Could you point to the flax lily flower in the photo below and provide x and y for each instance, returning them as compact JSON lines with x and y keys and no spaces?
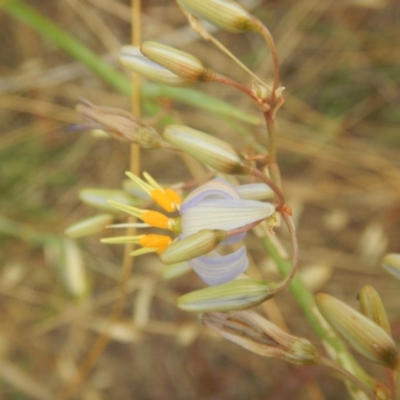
{"x":214,"y":208}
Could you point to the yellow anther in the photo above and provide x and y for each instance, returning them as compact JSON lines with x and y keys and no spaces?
{"x":156,"y":219}
{"x":159,"y":242}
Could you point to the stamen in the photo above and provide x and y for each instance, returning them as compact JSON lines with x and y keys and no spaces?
{"x":174,"y":197}
{"x":136,"y":212}
{"x":122,"y":239}
{"x":167,"y":199}
{"x":143,"y":185}
{"x":142,"y":250}
{"x":129,"y":225}
{"x":152,"y":182}
{"x":159,"y":242}
{"x":156,"y":219}
{"x":163,"y":200}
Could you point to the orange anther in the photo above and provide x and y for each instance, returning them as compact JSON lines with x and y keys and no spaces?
{"x":161,"y":198}
{"x":159,"y":242}
{"x":173,"y":196}
{"x":156,"y":219}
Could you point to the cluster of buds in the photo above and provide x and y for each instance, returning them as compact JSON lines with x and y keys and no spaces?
{"x":205,"y":229}
{"x":367,"y":332}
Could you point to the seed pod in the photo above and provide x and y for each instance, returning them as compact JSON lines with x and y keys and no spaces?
{"x":256,"y":334}
{"x":207,"y":149}
{"x":226,"y":14}
{"x":179,"y":62}
{"x":89,"y":226}
{"x":119,"y":124}
{"x":235,"y":295}
{"x":365,"y":336}
{"x":192,"y":246}
{"x":99,"y":198}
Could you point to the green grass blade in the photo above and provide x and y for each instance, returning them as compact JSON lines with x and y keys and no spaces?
{"x":26,"y":14}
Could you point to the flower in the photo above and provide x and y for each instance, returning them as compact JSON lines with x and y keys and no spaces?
{"x":210,"y":217}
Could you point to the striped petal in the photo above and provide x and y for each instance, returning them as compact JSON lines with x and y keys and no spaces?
{"x":214,"y":268}
{"x":215,"y":189}
{"x":225,"y":214}
{"x":217,"y":205}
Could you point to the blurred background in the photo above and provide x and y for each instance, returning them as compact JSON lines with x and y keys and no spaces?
{"x":339,"y":154}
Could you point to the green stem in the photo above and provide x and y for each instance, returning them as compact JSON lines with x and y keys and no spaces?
{"x":305,"y":299}
{"x":26,"y":14}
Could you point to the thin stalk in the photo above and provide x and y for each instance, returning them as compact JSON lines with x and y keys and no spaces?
{"x":197,"y":27}
{"x":280,"y":198}
{"x":127,"y":264}
{"x":273,"y":166}
{"x":230,"y":82}
{"x":275,"y":60}
{"x":295,"y":257}
{"x":346,"y":374}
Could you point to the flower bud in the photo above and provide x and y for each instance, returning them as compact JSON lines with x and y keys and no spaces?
{"x":371,"y":306}
{"x":365,"y":336}
{"x":207,"y":149}
{"x":132,"y":58}
{"x":255,"y":191}
{"x":192,"y":246}
{"x":120,"y":124}
{"x":99,"y":198}
{"x":260,"y":336}
{"x":391,"y":264}
{"x":235,"y":295}
{"x":226,"y":14}
{"x":66,"y":256}
{"x":89,"y":226}
{"x":179,"y":62}
{"x":175,"y":270}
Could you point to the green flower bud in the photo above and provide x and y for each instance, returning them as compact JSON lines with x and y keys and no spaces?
{"x":235,"y":295}
{"x":365,"y":336}
{"x":226,"y":14}
{"x":179,"y":62}
{"x":207,"y":149}
{"x":98,"y":198}
{"x":255,"y":191}
{"x":371,"y":306}
{"x":175,"y":270}
{"x":391,"y":264}
{"x":89,"y":226}
{"x":256,"y":334}
{"x":192,"y":246}
{"x":66,"y":256}
{"x":132,"y":58}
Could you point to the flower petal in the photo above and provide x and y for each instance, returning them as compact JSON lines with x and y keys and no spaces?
{"x":224,"y":214}
{"x":215,"y":268}
{"x":217,"y":188}
{"x":255,"y":191}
